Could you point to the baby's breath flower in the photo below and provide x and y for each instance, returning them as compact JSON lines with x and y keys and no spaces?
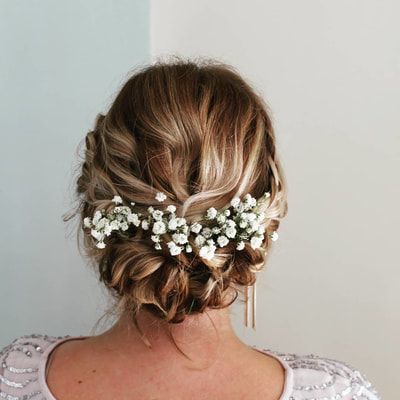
{"x":199,"y":240}
{"x":87,"y":222}
{"x":274,"y":236}
{"x":240,"y":245}
{"x":242,"y":223}
{"x":108,"y":229}
{"x":145,"y":225}
{"x":180,"y":221}
{"x":179,"y":238}
{"x":155,"y":238}
{"x":160,"y":196}
{"x":133,"y":218}
{"x":235,"y":202}
{"x":256,"y":242}
{"x":157,"y":215}
{"x":117,"y":200}
{"x":195,"y":227}
{"x":159,"y":228}
{"x":171,"y":208}
{"x":208,"y":250}
{"x":206,"y":232}
{"x":211,"y":213}
{"x":221,"y":218}
{"x":97,"y":215}
{"x":97,"y":234}
{"x":124,"y":226}
{"x":173,"y":224}
{"x":174,"y":249}
{"x":222,"y":240}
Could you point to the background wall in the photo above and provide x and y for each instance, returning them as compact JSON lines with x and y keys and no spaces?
{"x":61,"y":64}
{"x":330,"y":72}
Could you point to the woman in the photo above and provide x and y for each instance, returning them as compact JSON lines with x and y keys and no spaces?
{"x":180,"y":197}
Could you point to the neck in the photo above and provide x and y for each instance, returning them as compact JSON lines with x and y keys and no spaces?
{"x":200,"y":335}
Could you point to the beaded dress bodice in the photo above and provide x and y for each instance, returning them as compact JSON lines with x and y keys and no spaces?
{"x":308,"y":377}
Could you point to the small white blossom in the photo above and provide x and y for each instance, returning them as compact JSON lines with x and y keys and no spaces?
{"x":227,"y":213}
{"x":240,"y":245}
{"x":145,"y":224}
{"x":124,"y":226}
{"x":150,"y":209}
{"x":117,"y":200}
{"x":133,"y":218}
{"x":230,"y":223}
{"x":215,"y":230}
{"x":211,"y":213}
{"x":96,"y":234}
{"x":243,"y":223}
{"x":206,"y":232}
{"x":96,"y":217}
{"x":159,"y":228}
{"x":222,"y":240}
{"x":132,"y":203}
{"x":100,"y":245}
{"x":207,"y":251}
{"x":108,"y":229}
{"x":267,"y":194}
{"x":199,"y":240}
{"x":181,"y":221}
{"x":195,"y":227}
{"x":274,"y":236}
{"x":256,"y":242}
{"x":114,"y":224}
{"x":230,"y":232}
{"x":87,"y":222}
{"x":188,"y":248}
{"x":160,"y":196}
{"x":157,"y":215}
{"x":249,"y":200}
{"x":173,"y":248}
{"x":221,"y":218}
{"x":235,"y":202}
{"x":172,"y":224}
{"x":260,"y":230}
{"x":155,"y":238}
{"x":171,"y":208}
{"x":157,"y":246}
{"x":179,"y":238}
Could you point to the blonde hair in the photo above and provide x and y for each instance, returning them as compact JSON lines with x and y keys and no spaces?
{"x":195,"y":130}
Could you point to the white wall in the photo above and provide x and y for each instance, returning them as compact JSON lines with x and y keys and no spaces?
{"x":330,"y":72}
{"x":61,"y":64}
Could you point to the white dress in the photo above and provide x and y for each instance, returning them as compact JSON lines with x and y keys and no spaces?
{"x":307,"y":377}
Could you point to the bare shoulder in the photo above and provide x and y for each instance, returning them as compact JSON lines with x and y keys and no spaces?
{"x":319,"y":377}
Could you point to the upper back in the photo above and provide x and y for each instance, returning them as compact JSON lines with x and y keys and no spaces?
{"x":23,"y":362}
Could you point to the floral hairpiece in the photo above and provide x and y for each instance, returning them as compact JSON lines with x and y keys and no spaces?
{"x":240,"y":222}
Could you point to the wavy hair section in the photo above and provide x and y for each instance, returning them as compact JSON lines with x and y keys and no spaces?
{"x":197,"y":131}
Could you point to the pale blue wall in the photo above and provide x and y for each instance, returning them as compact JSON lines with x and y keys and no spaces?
{"x":61,"y":64}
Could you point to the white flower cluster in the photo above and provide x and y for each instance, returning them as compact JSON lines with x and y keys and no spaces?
{"x":240,"y":222}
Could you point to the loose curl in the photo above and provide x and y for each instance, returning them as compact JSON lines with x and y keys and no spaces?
{"x":199,"y":133}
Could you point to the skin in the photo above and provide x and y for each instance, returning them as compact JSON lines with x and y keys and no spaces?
{"x":118,"y":365}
